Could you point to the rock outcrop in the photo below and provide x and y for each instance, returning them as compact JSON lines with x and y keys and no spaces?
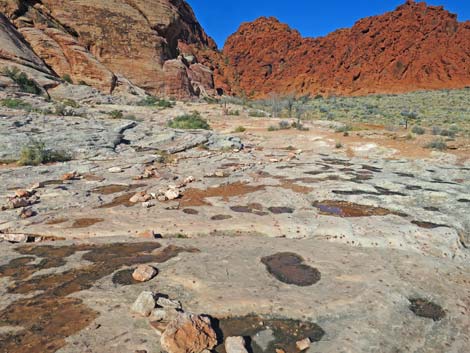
{"x":96,"y":42}
{"x":414,"y":47}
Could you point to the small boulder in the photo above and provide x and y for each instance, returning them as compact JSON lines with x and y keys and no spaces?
{"x":169,"y":303}
{"x":172,"y":194}
{"x":22,"y":193}
{"x":188,"y":333}
{"x":304,"y":344}
{"x":144,"y":273}
{"x":16,"y":237}
{"x":235,"y":345}
{"x":115,"y":170}
{"x":144,"y":304}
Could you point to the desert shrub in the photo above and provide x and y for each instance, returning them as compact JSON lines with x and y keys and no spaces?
{"x":189,"y":121}
{"x":448,"y":133}
{"x":240,"y":129}
{"x":116,"y":114}
{"x":344,"y":128}
{"x":257,"y":114}
{"x":152,"y":101}
{"x":21,"y":79}
{"x":233,"y":112}
{"x":273,"y":128}
{"x":15,"y":104}
{"x":418,"y":130}
{"x":284,"y":125}
{"x":36,"y":153}
{"x":437,"y":144}
{"x":436,"y":130}
{"x":338,"y":145}
{"x":67,"y":78}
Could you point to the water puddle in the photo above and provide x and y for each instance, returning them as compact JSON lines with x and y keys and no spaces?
{"x":289,"y":268}
{"x":253,"y":208}
{"x":197,"y":197}
{"x":50,"y":317}
{"x":280,"y":210}
{"x":424,"y":308}
{"x":220,"y":217}
{"x":348,"y":209}
{"x":284,"y":332}
{"x":190,"y":211}
{"x":428,"y":225}
{"x":413,"y":187}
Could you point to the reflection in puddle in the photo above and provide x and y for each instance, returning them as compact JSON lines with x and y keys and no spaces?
{"x":285,"y":333}
{"x":348,"y":209}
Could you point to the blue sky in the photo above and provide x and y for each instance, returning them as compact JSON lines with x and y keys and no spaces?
{"x":220,"y":18}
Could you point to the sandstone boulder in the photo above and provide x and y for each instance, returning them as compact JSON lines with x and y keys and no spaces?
{"x":188,"y":333}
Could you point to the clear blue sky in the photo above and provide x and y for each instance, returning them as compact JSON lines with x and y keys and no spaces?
{"x":220,"y":18}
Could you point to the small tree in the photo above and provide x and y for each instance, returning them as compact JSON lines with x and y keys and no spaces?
{"x":290,"y":103}
{"x":409,"y":116}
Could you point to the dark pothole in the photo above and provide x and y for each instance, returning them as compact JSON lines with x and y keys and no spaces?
{"x":281,"y":210}
{"x":284,"y":332}
{"x":190,"y":211}
{"x":348,"y":209}
{"x":428,"y":225}
{"x":289,"y":268}
{"x":424,"y":308}
{"x":220,"y":217}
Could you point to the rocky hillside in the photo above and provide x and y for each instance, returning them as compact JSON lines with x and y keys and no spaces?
{"x":414,"y":47}
{"x":111,"y":45}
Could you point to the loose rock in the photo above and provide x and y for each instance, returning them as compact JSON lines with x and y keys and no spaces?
{"x":235,"y":345}
{"x":188,"y":333}
{"x":303,"y":344}
{"x":144,"y":273}
{"x":144,"y":304}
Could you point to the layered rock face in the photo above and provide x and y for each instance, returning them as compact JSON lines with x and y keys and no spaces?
{"x":98,"y":42}
{"x":414,"y":47}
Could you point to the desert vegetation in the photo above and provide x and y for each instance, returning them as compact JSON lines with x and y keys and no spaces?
{"x":189,"y":121}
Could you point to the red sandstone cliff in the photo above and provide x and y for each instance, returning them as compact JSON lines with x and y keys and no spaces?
{"x":414,"y":47}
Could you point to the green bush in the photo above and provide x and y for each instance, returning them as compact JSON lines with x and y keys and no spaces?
{"x":233,"y":112}
{"x":189,"y":121}
{"x":344,"y":129}
{"x":67,"y":78}
{"x":116,"y":114}
{"x":437,"y":144}
{"x":152,"y":101}
{"x":418,"y":130}
{"x":36,"y":153}
{"x":15,"y":104}
{"x":240,"y":129}
{"x":273,"y":128}
{"x":257,"y":114}
{"x":21,"y":79}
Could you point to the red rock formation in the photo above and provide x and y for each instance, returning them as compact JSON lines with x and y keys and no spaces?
{"x":414,"y":47}
{"x":98,"y":41}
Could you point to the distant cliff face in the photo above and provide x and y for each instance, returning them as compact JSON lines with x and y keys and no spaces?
{"x":414,"y":47}
{"x":98,"y":41}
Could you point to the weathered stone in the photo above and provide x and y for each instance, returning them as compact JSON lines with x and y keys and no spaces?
{"x":144,"y":304}
{"x":144,"y":273}
{"x":188,"y":333}
{"x":235,"y":345}
{"x":168,"y":303}
{"x":172,"y":194}
{"x":304,"y":344}
{"x":16,"y":237}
